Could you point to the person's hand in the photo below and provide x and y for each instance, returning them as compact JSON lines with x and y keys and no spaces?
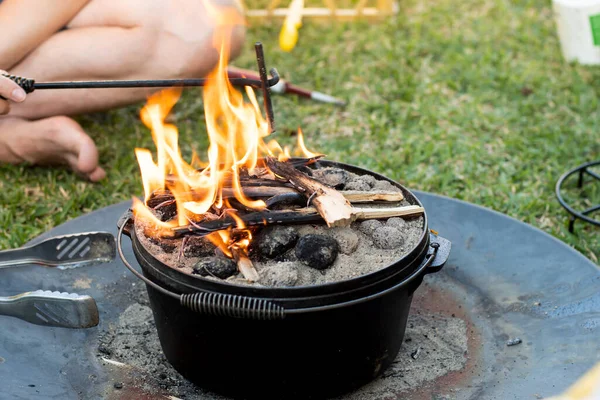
{"x":11,"y":91}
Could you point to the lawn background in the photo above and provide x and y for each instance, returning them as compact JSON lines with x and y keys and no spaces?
{"x":470,"y":99}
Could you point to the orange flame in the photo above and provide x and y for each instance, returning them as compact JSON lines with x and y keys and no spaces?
{"x":302,"y":147}
{"x":236,"y":130}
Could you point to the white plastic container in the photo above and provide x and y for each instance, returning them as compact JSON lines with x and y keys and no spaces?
{"x":578,"y":23}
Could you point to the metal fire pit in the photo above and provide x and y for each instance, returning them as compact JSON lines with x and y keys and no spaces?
{"x":504,"y":280}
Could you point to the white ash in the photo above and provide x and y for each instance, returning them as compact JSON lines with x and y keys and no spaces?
{"x":133,"y":340}
{"x":361,"y":252}
{"x":443,"y":349}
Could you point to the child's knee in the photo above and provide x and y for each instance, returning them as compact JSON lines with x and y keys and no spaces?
{"x":187,"y":47}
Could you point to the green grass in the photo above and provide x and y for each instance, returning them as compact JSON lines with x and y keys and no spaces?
{"x":470,"y":99}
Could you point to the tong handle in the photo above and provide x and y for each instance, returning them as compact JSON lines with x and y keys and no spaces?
{"x":42,"y":307}
{"x":64,"y":251}
{"x":20,"y":256}
{"x":26,"y":84}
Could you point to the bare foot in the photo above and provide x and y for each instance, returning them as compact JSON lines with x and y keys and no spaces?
{"x":49,"y":141}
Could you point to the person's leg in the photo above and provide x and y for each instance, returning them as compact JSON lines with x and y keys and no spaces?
{"x":49,"y":141}
{"x":113,"y":39}
{"x":109,"y":39}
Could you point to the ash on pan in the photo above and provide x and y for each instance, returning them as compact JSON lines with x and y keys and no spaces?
{"x":133,"y":341}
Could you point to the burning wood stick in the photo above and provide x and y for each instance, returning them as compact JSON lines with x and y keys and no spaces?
{"x":262,"y":175}
{"x":262,"y":192}
{"x":299,"y":216}
{"x":331,"y":204}
{"x":244,"y":264}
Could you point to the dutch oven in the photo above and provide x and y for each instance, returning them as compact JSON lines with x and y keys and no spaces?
{"x":305,"y":342}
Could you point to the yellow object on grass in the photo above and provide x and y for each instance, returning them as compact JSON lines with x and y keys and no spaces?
{"x":586,"y":388}
{"x":288,"y":37}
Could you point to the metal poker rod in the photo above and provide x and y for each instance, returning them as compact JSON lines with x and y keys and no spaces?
{"x":29,"y":85}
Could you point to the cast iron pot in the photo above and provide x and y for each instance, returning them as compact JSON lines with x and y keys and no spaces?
{"x":285,"y":343}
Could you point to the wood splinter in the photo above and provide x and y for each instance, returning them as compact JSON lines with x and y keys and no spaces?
{"x":335,"y":209}
{"x":244,"y":264}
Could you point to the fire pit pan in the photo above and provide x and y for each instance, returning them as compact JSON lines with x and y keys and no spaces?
{"x":299,"y":342}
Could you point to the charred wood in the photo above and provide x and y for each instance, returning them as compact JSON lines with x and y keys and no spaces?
{"x":290,"y":217}
{"x":244,"y":264}
{"x":331,"y":204}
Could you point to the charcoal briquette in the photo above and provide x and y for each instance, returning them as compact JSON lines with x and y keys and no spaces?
{"x":368,"y":227}
{"x":368,"y":179}
{"x":358,"y":185}
{"x":167,"y":245}
{"x":387,"y":237}
{"x":219,"y":267}
{"x":198,"y":246}
{"x":396,"y":222}
{"x":347,"y":239}
{"x":385,"y":186}
{"x":317,"y":251}
{"x":334,"y":177}
{"x":280,"y":274}
{"x":415,"y":354}
{"x":276,"y":240}
{"x":167,"y":212}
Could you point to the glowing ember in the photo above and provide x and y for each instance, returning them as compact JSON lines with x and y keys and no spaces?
{"x":236,"y":130}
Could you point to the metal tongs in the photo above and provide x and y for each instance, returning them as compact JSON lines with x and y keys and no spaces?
{"x":67,"y":310}
{"x":62,"y":252}
{"x":42,"y":307}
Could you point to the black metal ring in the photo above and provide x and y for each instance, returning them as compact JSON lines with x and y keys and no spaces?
{"x":137,"y":274}
{"x":582,"y":170}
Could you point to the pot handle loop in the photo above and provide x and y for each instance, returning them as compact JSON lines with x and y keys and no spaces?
{"x":218,"y":304}
{"x":232,"y":306}
{"x":439,"y":249}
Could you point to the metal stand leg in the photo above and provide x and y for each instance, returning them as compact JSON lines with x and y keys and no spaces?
{"x":581,"y":171}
